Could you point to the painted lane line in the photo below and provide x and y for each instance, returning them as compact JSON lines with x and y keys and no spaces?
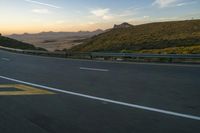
{"x":108,"y":100}
{"x":93,"y":69}
{"x":5,"y":59}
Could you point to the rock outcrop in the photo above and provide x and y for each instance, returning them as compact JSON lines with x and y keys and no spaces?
{"x":123,"y":25}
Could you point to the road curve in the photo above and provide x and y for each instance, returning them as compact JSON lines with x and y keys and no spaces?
{"x":92,"y":96}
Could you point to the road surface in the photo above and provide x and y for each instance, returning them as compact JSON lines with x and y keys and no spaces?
{"x":52,"y":95}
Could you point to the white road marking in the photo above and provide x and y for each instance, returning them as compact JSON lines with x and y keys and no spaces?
{"x":5,"y":59}
{"x":93,"y":69}
{"x":108,"y":100}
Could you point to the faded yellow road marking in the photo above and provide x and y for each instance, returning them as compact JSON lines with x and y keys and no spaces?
{"x":23,"y":90}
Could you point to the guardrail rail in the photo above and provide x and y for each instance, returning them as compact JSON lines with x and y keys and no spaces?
{"x":113,"y":56}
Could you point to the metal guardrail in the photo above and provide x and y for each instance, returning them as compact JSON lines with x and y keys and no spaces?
{"x":11,"y":49}
{"x":93,"y":55}
{"x":36,"y":52}
{"x":175,"y":56}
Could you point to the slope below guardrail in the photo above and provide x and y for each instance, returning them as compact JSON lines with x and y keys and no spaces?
{"x":113,"y":56}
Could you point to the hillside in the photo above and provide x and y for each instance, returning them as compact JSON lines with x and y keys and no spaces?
{"x":12,"y":43}
{"x":158,"y":35}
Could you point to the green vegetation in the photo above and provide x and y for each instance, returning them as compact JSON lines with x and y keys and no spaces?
{"x":175,"y":50}
{"x":146,"y":37}
{"x":12,"y":43}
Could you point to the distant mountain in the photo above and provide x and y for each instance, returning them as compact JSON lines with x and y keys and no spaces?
{"x":158,"y":35}
{"x":52,"y":34}
{"x":123,"y":25}
{"x":12,"y":43}
{"x":55,"y":40}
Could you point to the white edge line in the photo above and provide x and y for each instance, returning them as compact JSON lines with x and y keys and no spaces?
{"x":108,"y":100}
{"x":93,"y":69}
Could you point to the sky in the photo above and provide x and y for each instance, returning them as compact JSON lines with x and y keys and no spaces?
{"x":33,"y":16}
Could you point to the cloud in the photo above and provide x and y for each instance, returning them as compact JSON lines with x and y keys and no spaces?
{"x":60,"y":22}
{"x":126,"y":13}
{"x":119,"y":16}
{"x":172,"y":3}
{"x":182,"y":4}
{"x":107,"y":17}
{"x":41,"y":11}
{"x":40,"y":3}
{"x":146,"y":17}
{"x":102,"y":13}
{"x":165,"y":3}
{"x":185,"y":3}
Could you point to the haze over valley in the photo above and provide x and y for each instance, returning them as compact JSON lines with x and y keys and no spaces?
{"x":52,"y":41}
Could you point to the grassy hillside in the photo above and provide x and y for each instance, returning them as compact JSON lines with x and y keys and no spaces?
{"x":12,"y":43}
{"x":143,"y":37}
{"x":175,"y":50}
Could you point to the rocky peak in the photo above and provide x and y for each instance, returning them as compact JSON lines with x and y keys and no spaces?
{"x":123,"y":25}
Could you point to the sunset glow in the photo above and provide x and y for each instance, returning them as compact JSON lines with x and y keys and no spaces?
{"x":32,"y":16}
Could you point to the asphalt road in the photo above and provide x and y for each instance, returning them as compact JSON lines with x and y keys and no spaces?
{"x":51,"y":95}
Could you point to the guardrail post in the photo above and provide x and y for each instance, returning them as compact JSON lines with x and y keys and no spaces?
{"x":170,"y":60}
{"x":91,"y":57}
{"x":66,"y":54}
